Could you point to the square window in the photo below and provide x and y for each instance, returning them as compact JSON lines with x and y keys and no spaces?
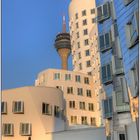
{"x":70,"y":90}
{"x":90,"y":107}
{"x":18,"y":107}
{"x":46,"y":109}
{"x":82,"y":105}
{"x":77,"y":78}
{"x":88,"y":93}
{"x":93,"y":11}
{"x":86,"y":80}
{"x":84,"y":22}
{"x":25,"y":129}
{"x":72,"y":104}
{"x":57,"y":76}
{"x":8,"y":129}
{"x":67,"y":77}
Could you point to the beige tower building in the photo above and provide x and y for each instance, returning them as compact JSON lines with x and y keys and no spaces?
{"x":84,"y":41}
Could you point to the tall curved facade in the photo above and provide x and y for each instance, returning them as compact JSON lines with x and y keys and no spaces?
{"x":82,"y":19}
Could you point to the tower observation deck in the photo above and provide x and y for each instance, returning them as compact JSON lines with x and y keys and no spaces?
{"x":63,"y":46}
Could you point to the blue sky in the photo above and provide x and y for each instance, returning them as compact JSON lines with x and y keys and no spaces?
{"x":29,"y":28}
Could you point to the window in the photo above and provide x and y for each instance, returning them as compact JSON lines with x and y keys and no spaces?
{"x":134,"y":81}
{"x":72,"y":104}
{"x":8,"y":129}
{"x":106,"y":74}
{"x":4,"y":107}
{"x":67,"y":77}
{"x":105,"y":42}
{"x":88,"y":93}
{"x":90,"y":107}
{"x":84,"y":120}
{"x":84,"y":13}
{"x":74,"y":119}
{"x":57,"y":76}
{"x":92,"y":11}
{"x":86,"y":42}
{"x":70,"y":90}
{"x":93,"y":20}
{"x":78,"y":44}
{"x":103,"y":12}
{"x":76,"y":15}
{"x":122,"y":137}
{"x":80,"y":91}
{"x":77,"y":25}
{"x":25,"y":129}
{"x":80,"y":66}
{"x":84,"y":22}
{"x":127,"y":2}
{"x":77,"y":78}
{"x":82,"y":105}
{"x":77,"y":34}
{"x":86,"y":80}
{"x":93,"y":121}
{"x":46,"y":109}
{"x":132,"y":30}
{"x":56,"y":111}
{"x":79,"y":55}
{"x":85,"y":32}
{"x":87,"y":52}
{"x":18,"y":107}
{"x":88,"y":64}
{"x":107,"y":108}
{"x":89,"y":73}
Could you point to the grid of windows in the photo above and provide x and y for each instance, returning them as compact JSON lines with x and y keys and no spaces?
{"x":18,"y":107}
{"x":72,"y":104}
{"x":82,"y":105}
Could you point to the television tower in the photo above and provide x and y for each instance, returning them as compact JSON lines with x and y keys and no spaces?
{"x":63,"y":46}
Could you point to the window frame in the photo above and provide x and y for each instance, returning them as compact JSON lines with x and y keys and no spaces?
{"x":16,"y":105}
{"x":5,"y":129}
{"x":23,"y":127}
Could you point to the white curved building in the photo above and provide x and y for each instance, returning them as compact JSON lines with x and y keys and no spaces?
{"x":32,"y":112}
{"x":81,"y":102}
{"x":81,"y":21}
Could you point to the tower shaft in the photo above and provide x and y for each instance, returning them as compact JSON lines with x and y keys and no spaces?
{"x":64,"y":54}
